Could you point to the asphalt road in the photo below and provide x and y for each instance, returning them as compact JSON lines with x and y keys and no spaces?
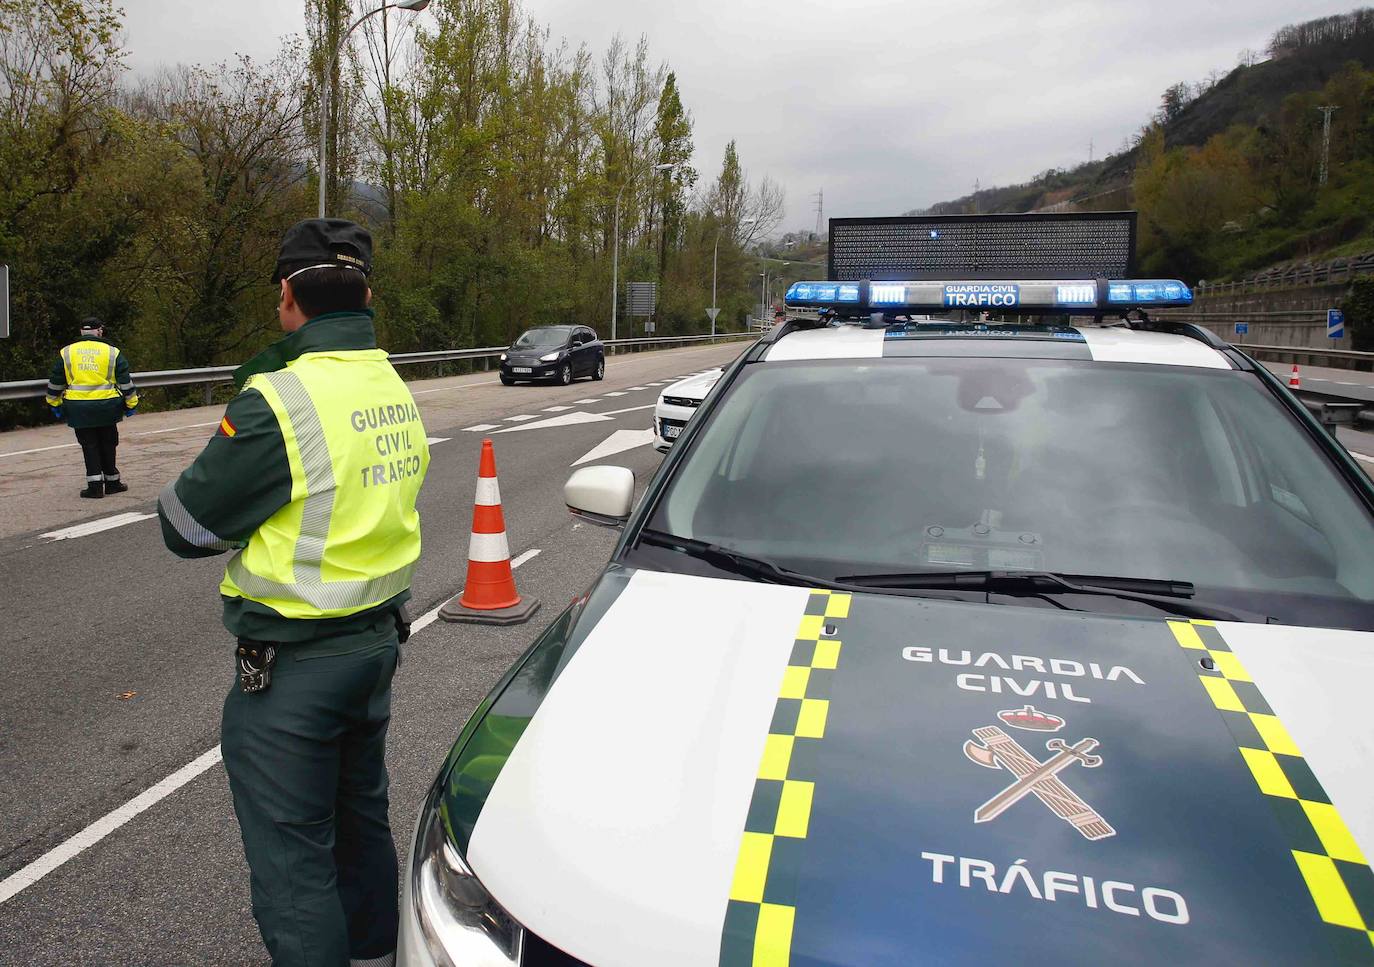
{"x":116,"y":664}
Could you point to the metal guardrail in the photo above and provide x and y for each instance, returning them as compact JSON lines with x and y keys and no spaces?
{"x":1337,"y":270}
{"x":1347,"y":355}
{"x":212,"y":376}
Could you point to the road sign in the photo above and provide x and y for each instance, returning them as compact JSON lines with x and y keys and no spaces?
{"x":1335,"y":324}
{"x":712,"y":313}
{"x":1242,"y":329}
{"x":4,"y":301}
{"x":643,"y":298}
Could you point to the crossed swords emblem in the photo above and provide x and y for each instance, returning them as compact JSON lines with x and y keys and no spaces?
{"x":995,"y":749}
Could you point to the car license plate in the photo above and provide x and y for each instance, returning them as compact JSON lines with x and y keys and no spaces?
{"x":671,"y":432}
{"x":521,"y":369}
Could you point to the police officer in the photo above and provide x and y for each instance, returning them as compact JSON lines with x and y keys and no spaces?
{"x":91,"y":389}
{"x":311,"y":482}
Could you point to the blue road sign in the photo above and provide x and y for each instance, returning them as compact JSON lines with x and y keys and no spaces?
{"x":1242,"y":329}
{"x":1335,"y":324}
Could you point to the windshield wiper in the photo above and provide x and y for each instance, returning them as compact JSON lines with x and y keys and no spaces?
{"x":1173,"y":596}
{"x":732,"y":561}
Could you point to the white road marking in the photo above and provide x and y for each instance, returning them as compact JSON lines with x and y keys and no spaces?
{"x":567,"y":419}
{"x":636,"y":389}
{"x":628,"y":409}
{"x":447,"y":389}
{"x":521,"y":418}
{"x":480,"y":428}
{"x":525,"y":558}
{"x":96,"y":526}
{"x":107,"y":824}
{"x":617,"y":442}
{"x":437,"y":439}
{"x":615,"y":394}
{"x":173,"y":429}
{"x":104,"y":826}
{"x":585,"y":402}
{"x":1361,"y":457}
{"x":20,"y":453}
{"x":557,"y":409}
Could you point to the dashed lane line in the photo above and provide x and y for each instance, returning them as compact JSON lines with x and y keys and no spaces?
{"x":556,"y":409}
{"x":481,"y":428}
{"x":521,"y":418}
{"x":585,"y":402}
{"x":26,"y":877}
{"x":616,"y":394}
{"x":437,"y":439}
{"x":95,"y":526}
{"x":628,"y":409}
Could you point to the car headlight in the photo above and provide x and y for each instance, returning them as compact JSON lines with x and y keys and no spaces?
{"x":503,"y":357}
{"x":550,"y":358}
{"x":462,"y":925}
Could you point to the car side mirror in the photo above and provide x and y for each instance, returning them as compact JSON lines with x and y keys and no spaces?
{"x":601,"y":495}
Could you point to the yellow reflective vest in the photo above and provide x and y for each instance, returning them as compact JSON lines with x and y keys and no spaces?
{"x":90,"y":369}
{"x":349,"y":538}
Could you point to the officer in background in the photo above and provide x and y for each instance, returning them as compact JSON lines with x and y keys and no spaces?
{"x":92,"y":390}
{"x":311,"y":482}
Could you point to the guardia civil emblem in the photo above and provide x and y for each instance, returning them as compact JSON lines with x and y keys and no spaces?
{"x":993,"y":748}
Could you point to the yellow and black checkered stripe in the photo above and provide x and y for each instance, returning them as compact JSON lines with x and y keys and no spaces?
{"x":1335,"y":870}
{"x":762,"y":908}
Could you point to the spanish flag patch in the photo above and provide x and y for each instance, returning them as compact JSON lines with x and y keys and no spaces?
{"x":226,"y":428}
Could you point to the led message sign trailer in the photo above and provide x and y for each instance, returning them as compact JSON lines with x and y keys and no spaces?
{"x":1075,"y":245}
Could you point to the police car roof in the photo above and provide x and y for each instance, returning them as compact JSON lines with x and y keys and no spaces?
{"x":1112,"y":344}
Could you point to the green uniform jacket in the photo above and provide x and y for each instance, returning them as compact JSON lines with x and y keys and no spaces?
{"x":81,"y":414}
{"x":242,"y":478}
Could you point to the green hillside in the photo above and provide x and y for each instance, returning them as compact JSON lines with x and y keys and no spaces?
{"x":1226,"y":175}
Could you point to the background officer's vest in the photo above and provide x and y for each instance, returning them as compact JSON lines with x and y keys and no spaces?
{"x":350,"y":536}
{"x":90,"y":367}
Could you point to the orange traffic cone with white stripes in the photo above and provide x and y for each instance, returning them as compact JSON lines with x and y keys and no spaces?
{"x":1295,"y":378}
{"x":489,"y":595}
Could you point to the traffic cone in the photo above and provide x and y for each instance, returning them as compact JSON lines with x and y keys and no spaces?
{"x":489,"y":596}
{"x":1295,"y":378}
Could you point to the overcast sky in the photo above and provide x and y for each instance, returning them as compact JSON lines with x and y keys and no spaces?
{"x":886,"y":105}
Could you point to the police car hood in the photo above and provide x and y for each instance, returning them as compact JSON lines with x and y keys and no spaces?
{"x":695,"y":387}
{"x":725,"y":771}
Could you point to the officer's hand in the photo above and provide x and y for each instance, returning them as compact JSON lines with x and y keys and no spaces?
{"x":130,"y":411}
{"x":57,"y":414}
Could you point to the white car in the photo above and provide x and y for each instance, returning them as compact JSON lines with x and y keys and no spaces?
{"x":677,"y":403}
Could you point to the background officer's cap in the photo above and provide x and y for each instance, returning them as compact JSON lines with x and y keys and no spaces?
{"x":91,"y":325}
{"x":320,"y":242}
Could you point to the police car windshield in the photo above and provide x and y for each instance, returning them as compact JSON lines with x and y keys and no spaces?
{"x":905,"y":465}
{"x":542,"y":338}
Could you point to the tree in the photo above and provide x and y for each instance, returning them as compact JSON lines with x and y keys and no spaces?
{"x":673,"y":135}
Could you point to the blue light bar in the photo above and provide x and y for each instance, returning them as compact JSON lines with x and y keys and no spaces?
{"x":1065,"y":296}
{"x":1149,"y":292}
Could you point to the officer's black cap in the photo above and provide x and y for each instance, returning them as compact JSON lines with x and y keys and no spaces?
{"x":324,"y":241}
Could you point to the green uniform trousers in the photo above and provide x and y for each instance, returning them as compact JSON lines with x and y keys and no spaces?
{"x":306,"y":768}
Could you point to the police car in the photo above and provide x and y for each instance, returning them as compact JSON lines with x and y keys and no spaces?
{"x":1050,"y":643}
{"x":677,"y":403}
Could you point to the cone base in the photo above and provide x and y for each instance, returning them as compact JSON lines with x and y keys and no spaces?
{"x":517,"y":614}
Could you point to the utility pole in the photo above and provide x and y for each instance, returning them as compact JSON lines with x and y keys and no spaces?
{"x":1090,"y":150}
{"x":820,"y":209}
{"x":1327,"y":110}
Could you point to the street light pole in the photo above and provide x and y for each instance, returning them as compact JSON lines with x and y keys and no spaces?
{"x":417,"y":6}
